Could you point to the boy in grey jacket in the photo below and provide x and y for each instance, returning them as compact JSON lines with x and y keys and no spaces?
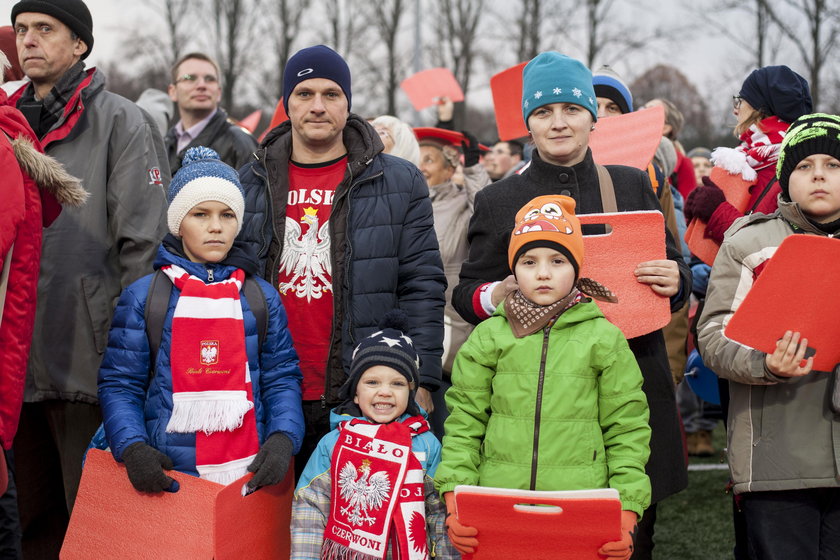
{"x":782,"y":431}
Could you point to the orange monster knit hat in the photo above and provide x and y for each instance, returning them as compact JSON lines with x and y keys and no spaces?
{"x":548,"y":221}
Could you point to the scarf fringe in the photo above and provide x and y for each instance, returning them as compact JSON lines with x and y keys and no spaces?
{"x":193,"y":412}
{"x":734,"y":161}
{"x":332,"y":550}
{"x":234,"y":472}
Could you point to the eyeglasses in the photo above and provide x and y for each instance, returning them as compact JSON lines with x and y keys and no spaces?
{"x":736,"y":101}
{"x":193,"y":78}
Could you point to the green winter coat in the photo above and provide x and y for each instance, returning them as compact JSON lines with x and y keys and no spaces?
{"x":561,"y":409}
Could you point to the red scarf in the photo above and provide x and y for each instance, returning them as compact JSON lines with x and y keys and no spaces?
{"x":211,"y":382}
{"x":759,"y":148}
{"x":377,"y":493}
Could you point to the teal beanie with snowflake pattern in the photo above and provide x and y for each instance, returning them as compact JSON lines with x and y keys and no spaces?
{"x":552,"y":77}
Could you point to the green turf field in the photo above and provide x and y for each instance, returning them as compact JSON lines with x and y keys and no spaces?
{"x":696,"y":524}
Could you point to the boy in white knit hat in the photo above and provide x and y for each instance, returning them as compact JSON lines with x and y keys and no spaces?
{"x":222,"y":396}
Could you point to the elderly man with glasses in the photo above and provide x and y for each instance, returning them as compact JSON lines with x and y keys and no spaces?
{"x":197,"y":91}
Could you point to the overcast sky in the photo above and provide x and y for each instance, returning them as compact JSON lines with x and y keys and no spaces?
{"x":711,"y":62}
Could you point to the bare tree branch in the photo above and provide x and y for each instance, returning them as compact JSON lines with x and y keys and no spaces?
{"x":387,"y":16}
{"x":823,"y":25}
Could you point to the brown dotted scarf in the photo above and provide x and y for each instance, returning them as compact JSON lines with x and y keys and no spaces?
{"x":526,"y":317}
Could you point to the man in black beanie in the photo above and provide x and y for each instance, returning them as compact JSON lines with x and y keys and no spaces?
{"x":88,"y":254}
{"x":345,"y":233}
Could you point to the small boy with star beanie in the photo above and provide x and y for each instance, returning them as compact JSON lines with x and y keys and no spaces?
{"x":367,"y":490}
{"x":222,"y":395}
{"x":546,"y":394}
{"x":783,"y":420}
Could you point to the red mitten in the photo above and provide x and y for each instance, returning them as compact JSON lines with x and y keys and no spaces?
{"x":622,"y":549}
{"x":703,"y":201}
{"x":463,"y":538}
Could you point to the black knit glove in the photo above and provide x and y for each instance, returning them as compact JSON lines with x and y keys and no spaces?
{"x":470,"y":147}
{"x":272,"y":461}
{"x":834,"y":389}
{"x":703,"y":201}
{"x":145,"y":465}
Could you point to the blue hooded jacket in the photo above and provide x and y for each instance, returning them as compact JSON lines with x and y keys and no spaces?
{"x":136,"y":407}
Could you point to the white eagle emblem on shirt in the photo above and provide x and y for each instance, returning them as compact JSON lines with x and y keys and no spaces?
{"x":306,"y":259}
{"x":367,"y":492}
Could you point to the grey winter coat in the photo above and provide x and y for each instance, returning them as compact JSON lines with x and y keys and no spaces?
{"x":782,"y":434}
{"x":453,"y":208}
{"x":91,"y":253}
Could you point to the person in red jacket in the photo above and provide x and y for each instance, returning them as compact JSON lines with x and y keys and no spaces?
{"x":32,"y":187}
{"x":770,"y":99}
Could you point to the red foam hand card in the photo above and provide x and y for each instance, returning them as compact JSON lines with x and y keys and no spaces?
{"x":611,"y":259}
{"x":629,"y":139}
{"x":279,"y":116}
{"x":506,"y":87}
{"x":425,"y":88}
{"x":737,"y":192}
{"x":812,"y":264}
{"x":570,"y":525}
{"x":250,"y":122}
{"x":256,"y":526}
{"x":202,"y":520}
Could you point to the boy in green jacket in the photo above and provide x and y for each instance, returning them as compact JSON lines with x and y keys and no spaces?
{"x":546,"y":394}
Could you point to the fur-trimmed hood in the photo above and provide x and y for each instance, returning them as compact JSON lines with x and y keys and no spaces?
{"x":57,"y":187}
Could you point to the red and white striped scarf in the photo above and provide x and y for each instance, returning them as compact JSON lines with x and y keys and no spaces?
{"x":377,"y":496}
{"x":211,"y":381}
{"x":760,"y":147}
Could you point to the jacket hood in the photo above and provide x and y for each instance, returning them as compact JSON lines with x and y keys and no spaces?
{"x":792,"y":213}
{"x":171,"y":251}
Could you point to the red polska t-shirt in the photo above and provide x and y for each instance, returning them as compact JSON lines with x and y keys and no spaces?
{"x":305,"y":271}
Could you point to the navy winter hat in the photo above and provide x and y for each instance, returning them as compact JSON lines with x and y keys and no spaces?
{"x":203,"y":176}
{"x":552,"y":77}
{"x":389,"y":346}
{"x":72,"y":13}
{"x":319,"y":61}
{"x":610,"y":85}
{"x":778,"y":91}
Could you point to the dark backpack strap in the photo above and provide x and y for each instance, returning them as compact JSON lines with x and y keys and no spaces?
{"x":766,"y":190}
{"x":157,"y":304}
{"x":259,"y":306}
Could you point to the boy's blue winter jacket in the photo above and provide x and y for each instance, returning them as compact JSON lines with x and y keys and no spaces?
{"x":136,"y":407}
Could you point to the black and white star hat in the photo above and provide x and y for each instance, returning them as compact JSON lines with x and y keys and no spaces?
{"x":389,"y":346}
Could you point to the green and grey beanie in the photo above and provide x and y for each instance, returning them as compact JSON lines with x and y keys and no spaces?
{"x":817,"y":133}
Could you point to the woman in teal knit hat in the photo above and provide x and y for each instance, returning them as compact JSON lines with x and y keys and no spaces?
{"x":560,"y":109}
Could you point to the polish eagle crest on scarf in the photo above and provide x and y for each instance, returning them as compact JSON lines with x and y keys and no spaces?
{"x":378,"y":496}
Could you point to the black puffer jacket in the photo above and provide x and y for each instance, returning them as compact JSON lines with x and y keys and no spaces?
{"x":489,"y":236}
{"x":234,"y":146}
{"x":383,"y":245}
